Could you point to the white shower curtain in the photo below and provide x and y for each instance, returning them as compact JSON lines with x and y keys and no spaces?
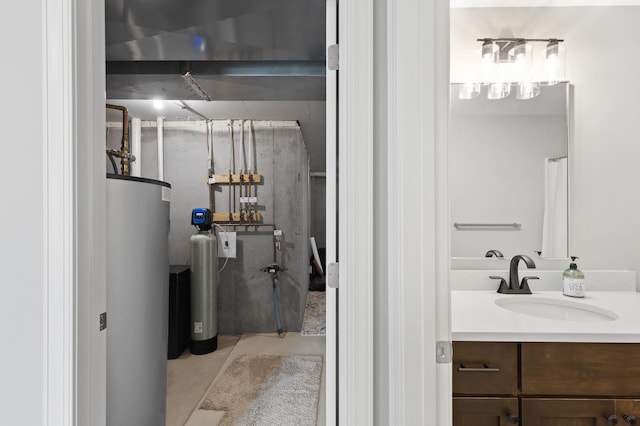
{"x":554,"y":229}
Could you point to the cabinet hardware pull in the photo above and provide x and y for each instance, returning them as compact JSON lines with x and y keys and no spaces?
{"x":629,"y":419}
{"x":612,"y":419}
{"x":485,"y":369}
{"x":513,"y":419}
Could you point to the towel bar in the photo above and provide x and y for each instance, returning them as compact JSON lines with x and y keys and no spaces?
{"x":487,"y":225}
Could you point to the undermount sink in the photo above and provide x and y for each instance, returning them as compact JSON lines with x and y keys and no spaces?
{"x":567,"y":310}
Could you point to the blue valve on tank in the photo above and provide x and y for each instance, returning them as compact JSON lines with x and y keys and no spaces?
{"x":202,"y":219}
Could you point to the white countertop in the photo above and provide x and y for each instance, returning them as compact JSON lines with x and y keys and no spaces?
{"x":476,"y":317}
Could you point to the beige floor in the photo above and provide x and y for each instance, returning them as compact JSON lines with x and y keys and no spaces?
{"x":189,"y":376}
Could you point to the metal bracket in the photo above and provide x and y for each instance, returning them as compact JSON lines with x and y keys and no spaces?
{"x":333,"y":57}
{"x":444,"y":352}
{"x":333,"y":275}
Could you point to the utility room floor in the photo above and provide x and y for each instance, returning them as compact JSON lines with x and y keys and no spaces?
{"x":189,"y":376}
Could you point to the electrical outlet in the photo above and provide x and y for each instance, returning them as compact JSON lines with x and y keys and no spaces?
{"x":227,"y":244}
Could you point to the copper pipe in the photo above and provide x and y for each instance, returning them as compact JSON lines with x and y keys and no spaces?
{"x":125,"y":156}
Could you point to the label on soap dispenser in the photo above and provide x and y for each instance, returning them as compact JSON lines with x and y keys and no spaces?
{"x":573,"y":287}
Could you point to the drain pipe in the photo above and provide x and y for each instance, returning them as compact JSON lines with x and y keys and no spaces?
{"x":125,"y":156}
{"x":160,"y":125}
{"x":136,"y":148}
{"x":273,"y":269}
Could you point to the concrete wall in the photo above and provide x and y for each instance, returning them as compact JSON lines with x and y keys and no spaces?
{"x":318,"y":199}
{"x":603,"y":67}
{"x":244,"y":292}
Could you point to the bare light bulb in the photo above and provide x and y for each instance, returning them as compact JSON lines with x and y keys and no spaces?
{"x":158,"y":104}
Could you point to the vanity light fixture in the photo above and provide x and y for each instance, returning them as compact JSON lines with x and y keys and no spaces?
{"x":521,"y":65}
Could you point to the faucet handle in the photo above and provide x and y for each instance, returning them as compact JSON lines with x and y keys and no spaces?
{"x":524,"y":285}
{"x":503,"y":284}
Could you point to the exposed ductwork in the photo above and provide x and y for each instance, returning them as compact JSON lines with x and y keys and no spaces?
{"x":248,"y":50}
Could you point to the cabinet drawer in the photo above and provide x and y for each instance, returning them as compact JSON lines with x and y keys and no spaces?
{"x":585,"y":369}
{"x":485,"y":368}
{"x":485,"y":411}
{"x":567,"y":411}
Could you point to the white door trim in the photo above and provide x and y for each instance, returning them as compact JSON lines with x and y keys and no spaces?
{"x":417,"y":215}
{"x":74,"y":276}
{"x":331,"y":242}
{"x":355,"y":207}
{"x":58,"y":271}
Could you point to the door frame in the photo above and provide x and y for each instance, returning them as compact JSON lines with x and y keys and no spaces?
{"x":416,"y":82}
{"x":416,"y":219}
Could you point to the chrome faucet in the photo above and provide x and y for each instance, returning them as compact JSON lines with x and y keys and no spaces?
{"x":515,"y":286}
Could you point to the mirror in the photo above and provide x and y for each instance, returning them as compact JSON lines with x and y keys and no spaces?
{"x":508,"y":177}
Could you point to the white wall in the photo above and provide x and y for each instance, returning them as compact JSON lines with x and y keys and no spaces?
{"x":21,"y":216}
{"x":53,"y":94}
{"x":603,"y":65}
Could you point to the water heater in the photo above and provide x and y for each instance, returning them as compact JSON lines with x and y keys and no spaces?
{"x":137,"y":300}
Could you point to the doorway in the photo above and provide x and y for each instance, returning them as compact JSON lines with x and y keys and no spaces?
{"x":245,"y":76}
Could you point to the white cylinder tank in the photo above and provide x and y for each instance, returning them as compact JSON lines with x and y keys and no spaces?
{"x":137,"y":300}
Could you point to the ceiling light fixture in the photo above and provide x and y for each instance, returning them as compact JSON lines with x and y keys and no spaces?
{"x":518,"y":62}
{"x":158,"y":104}
{"x":193,"y":84}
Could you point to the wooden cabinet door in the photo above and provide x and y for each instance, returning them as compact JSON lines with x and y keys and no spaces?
{"x":593,"y":369}
{"x":567,"y":412}
{"x":485,"y":411}
{"x":628,"y":411}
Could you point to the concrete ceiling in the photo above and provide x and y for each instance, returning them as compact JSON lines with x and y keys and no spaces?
{"x":256,"y":59}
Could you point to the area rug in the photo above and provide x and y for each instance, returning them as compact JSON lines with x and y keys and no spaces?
{"x":268,"y":390}
{"x":315,"y":315}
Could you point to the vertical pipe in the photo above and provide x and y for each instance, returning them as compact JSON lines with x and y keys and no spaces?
{"x":124,"y":147}
{"x":250,"y":166}
{"x":136,"y":148}
{"x":160,"y":125}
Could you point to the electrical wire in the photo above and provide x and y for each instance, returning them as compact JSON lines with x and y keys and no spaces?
{"x":113,"y":163}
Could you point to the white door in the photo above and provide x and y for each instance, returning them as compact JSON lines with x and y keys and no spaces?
{"x":349,"y":213}
{"x":331,"y":217}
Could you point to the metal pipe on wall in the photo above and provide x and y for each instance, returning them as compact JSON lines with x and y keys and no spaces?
{"x":124,"y":148}
{"x":160,"y":127}
{"x":136,"y":146}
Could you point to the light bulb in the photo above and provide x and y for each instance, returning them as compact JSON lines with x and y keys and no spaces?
{"x":553,"y":48}
{"x":528,"y":90}
{"x":158,"y":104}
{"x":498,"y":90}
{"x":469,"y":90}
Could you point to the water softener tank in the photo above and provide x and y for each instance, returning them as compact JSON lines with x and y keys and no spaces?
{"x":204,"y":274}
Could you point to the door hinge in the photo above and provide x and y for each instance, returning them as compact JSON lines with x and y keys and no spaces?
{"x":103,"y":321}
{"x":443,"y":352}
{"x":333,"y":57}
{"x":333,"y":275}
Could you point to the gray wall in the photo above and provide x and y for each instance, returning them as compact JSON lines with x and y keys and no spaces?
{"x":318,"y":216}
{"x":244,"y":292}
{"x":496,"y":175}
{"x":603,"y":67}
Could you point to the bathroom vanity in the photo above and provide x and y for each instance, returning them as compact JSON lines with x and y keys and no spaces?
{"x":527,"y":369}
{"x":542,"y":384}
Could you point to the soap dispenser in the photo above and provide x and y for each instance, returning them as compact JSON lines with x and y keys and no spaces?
{"x":573,"y":280}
